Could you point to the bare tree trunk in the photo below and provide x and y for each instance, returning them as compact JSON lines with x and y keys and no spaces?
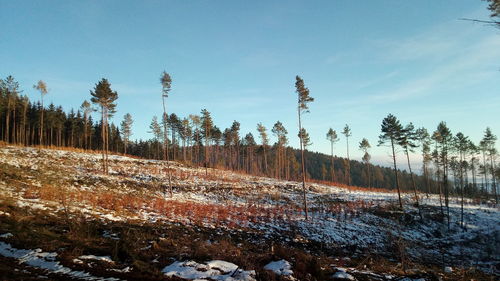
{"x":265,"y":159}
{"x":462,"y":190}
{"x":165,"y":133}
{"x":492,"y":163}
{"x":332,"y":162}
{"x":445,"y":183}
{"x":206,"y":151}
{"x":348,"y":163}
{"x":103,"y":140}
{"x":485,"y":184}
{"x":396,"y":174}
{"x":41,"y":123}
{"x":14,"y":131}
{"x":7,"y":121}
{"x":413,"y":183}
{"x":303,"y":166}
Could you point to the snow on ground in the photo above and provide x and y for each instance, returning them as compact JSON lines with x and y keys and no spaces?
{"x":6,"y":235}
{"x":281,"y":267}
{"x":348,"y":219}
{"x":343,"y":275}
{"x":212,"y":270}
{"x":44,"y":260}
{"x":97,"y":258}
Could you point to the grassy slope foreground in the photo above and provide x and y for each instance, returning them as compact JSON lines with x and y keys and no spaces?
{"x":61,"y":218}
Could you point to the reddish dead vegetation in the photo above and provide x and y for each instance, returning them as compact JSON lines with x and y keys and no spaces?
{"x":201,"y":214}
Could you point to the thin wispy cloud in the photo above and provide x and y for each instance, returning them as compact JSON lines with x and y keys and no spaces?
{"x":455,"y":66}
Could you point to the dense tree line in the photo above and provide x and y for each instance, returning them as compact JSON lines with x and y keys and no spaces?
{"x":452,"y":164}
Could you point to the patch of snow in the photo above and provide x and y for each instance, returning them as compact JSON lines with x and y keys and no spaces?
{"x":343,"y":275}
{"x":448,"y":269}
{"x":6,"y":235}
{"x":97,"y":258}
{"x":281,"y":267}
{"x":223,"y":266}
{"x":123,"y":270}
{"x":44,"y":260}
{"x":212,"y":270}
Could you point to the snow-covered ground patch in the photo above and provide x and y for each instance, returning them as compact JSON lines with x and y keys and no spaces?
{"x":97,"y":258}
{"x":343,"y":275}
{"x":212,"y":270}
{"x":6,"y":235}
{"x":44,"y":260}
{"x":281,"y":267}
{"x":351,"y":220}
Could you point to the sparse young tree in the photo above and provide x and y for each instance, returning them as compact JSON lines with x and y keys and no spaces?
{"x":25,"y":102}
{"x":347,"y":133}
{"x":126,"y":127}
{"x":265,"y":143}
{"x":280,"y":132}
{"x":391,"y":130}
{"x":423,"y":138}
{"x":461,"y":145}
{"x":157,"y":133}
{"x":187,"y":134}
{"x":166,"y":85}
{"x":234,"y":135}
{"x":365,"y":146}
{"x":11,"y":89}
{"x":303,"y":100}
{"x":436,"y":137}
{"x":250,"y":144}
{"x":86,"y":109}
{"x":445,"y":140}
{"x":105,"y":98}
{"x":473,"y":162}
{"x":42,"y":88}
{"x":489,"y":140}
{"x":407,"y":140}
{"x":207,"y":124}
{"x":332,"y":137}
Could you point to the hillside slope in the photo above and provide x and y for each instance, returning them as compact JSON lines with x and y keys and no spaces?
{"x":62,"y":218}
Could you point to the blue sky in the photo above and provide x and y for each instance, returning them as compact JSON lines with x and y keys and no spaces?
{"x":238,"y":59}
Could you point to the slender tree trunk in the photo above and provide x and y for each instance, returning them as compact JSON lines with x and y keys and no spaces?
{"x":462,"y":187}
{"x":445,"y":182}
{"x":206,"y":151}
{"x":303,"y":166}
{"x":413,"y":184}
{"x":41,"y":123}
{"x":348,"y":164}
{"x":165,"y":116}
{"x":369,"y":175}
{"x":103,"y":140}
{"x":265,"y":159}
{"x":23,"y":137}
{"x":473,"y":170}
{"x":7,"y":122}
{"x":396,"y":174}
{"x":14,"y":131}
{"x":493,"y":178}
{"x":485,"y":174}
{"x":332,"y":162}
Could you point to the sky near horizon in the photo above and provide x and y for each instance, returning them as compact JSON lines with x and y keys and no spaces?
{"x":360,"y":59}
